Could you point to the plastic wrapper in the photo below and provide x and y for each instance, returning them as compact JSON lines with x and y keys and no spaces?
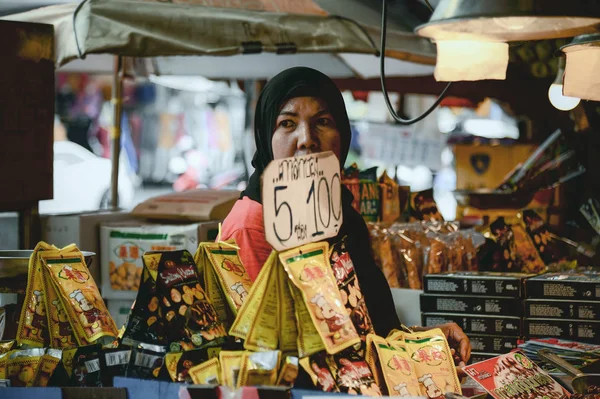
{"x":309,"y":270}
{"x":289,"y":372}
{"x":146,"y":361}
{"x":551,"y":250}
{"x":526,"y":251}
{"x":408,"y":245}
{"x":350,"y":179}
{"x":352,"y":373}
{"x":116,"y":361}
{"x":259,"y":368}
{"x":6,"y":346}
{"x":370,"y":202}
{"x":231,"y":365}
{"x":318,"y":370}
{"x":423,"y":207}
{"x":88,"y":364}
{"x":206,"y":373}
{"x":61,"y":332}
{"x":21,"y":366}
{"x":187,"y":360}
{"x":385,"y":256}
{"x":390,"y":199}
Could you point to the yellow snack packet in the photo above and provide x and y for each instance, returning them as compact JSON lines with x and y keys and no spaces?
{"x":318,"y":370}
{"x":80,"y":298}
{"x":390,"y":199}
{"x":6,"y":346}
{"x":259,"y":368}
{"x":230,"y":271}
{"x":22,"y":365}
{"x":309,"y":270}
{"x":309,"y":340}
{"x":289,"y":372}
{"x":231,"y":364}
{"x":171,"y":361}
{"x":59,"y":328}
{"x":395,"y":373}
{"x":207,"y":373}
{"x":433,"y":362}
{"x":32,"y":329}
{"x":3,"y":364}
{"x":212,"y":287}
{"x":68,"y":357}
{"x":288,"y":330}
{"x":46,"y":368}
{"x":257,"y":320}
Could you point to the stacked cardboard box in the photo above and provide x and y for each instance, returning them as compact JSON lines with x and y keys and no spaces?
{"x":563,"y":305}
{"x":487,"y":306}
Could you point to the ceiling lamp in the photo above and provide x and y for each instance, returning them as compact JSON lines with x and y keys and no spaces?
{"x":582,"y":79}
{"x":472,"y":35}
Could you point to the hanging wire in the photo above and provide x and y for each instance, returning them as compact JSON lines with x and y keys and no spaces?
{"x":397,"y":117}
{"x":428,"y":4}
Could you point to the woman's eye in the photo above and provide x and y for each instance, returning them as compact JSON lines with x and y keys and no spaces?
{"x":286,"y":123}
{"x":324,"y":121}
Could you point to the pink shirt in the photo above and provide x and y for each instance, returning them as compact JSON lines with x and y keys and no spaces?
{"x":245,"y":224}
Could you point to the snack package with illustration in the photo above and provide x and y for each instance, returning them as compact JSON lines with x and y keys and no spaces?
{"x":48,"y":364}
{"x":370,"y":203}
{"x":318,"y":370}
{"x":289,"y":372}
{"x":349,"y":288}
{"x":146,"y":361}
{"x":206,"y":373}
{"x":391,"y":207}
{"x":116,"y":361}
{"x":231,"y":365}
{"x":259,"y":368}
{"x":179,"y":364}
{"x":350,"y":179}
{"x":410,"y":243}
{"x":21,"y":366}
{"x":87,"y":364}
{"x":309,"y":271}
{"x":423,"y":207}
{"x":352,"y":373}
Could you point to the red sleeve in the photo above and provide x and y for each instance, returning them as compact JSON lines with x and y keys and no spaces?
{"x":254,"y":250}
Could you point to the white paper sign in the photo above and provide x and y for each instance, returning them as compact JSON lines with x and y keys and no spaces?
{"x":302,"y":200}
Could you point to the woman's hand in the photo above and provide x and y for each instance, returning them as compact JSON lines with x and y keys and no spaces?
{"x":458,"y":341}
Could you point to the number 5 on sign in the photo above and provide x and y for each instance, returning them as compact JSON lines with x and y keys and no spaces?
{"x":302,"y":200}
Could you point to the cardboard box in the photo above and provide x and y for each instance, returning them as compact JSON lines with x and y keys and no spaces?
{"x":434,"y":303}
{"x":476,"y":283}
{"x":123,"y":244}
{"x":486,"y":166}
{"x":476,"y":324}
{"x":582,"y":285}
{"x":551,"y":308}
{"x":493,"y":343}
{"x":575,"y":330}
{"x":119,"y":310}
{"x":82,"y":229}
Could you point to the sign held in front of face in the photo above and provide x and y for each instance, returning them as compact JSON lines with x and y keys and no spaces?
{"x":302,"y":200}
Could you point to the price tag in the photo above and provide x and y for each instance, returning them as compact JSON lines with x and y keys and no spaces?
{"x":302,"y":200}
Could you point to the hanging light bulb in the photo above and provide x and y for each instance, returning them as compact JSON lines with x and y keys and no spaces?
{"x":581,"y":71}
{"x":555,"y":92}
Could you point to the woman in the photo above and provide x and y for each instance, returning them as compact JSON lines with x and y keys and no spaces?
{"x":301,"y":111}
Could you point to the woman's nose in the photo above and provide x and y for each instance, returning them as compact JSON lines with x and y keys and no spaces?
{"x":307,"y":138}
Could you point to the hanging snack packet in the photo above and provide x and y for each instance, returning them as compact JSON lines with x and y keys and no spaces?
{"x":528,"y":256}
{"x":116,"y":361}
{"x":546,"y":246}
{"x":233,"y":277}
{"x":32,"y":329}
{"x":87,"y":367}
{"x":231,"y":364}
{"x":352,"y":373}
{"x":257,"y":319}
{"x":6,"y":346}
{"x":193,"y":358}
{"x":288,"y":329}
{"x":59,"y":327}
{"x":80,"y":298}
{"x":191,"y":320}
{"x":145,"y":322}
{"x":289,"y":372}
{"x":433,"y":362}
{"x":390,"y":199}
{"x":259,"y":368}
{"x":3,"y":369}
{"x":309,"y":270}
{"x":385,"y":257}
{"x":423,"y":207}
{"x":146,"y":361}
{"x":309,"y":337}
{"x":503,"y":235}
{"x":21,"y":366}
{"x":317,"y":368}
{"x":212,"y":286}
{"x":45,"y":369}
{"x":395,"y":373}
{"x":436,"y":258}
{"x":351,"y":181}
{"x":207,"y":373}
{"x":348,"y":285}
{"x":369,"y":195}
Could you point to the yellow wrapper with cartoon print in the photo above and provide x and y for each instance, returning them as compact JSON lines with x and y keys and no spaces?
{"x":207,"y":373}
{"x":210,"y":282}
{"x":60,"y":330}
{"x":48,"y":364}
{"x":433,"y":362}
{"x":231,"y":273}
{"x":3,"y":364}
{"x":318,"y":370}
{"x":231,"y":364}
{"x":309,"y":270}
{"x":32,"y":329}
{"x":309,"y":339}
{"x":257,"y":321}
{"x":22,"y":365}
{"x":288,"y":329}
{"x":289,"y":372}
{"x":259,"y":368}
{"x":80,"y":298}
{"x":395,"y":373}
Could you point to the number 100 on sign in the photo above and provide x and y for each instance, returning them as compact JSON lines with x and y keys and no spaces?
{"x":302,"y":200}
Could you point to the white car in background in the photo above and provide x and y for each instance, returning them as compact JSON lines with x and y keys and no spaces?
{"x":82,"y":181}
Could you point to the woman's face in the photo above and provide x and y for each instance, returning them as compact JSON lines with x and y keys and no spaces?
{"x":305,"y":126}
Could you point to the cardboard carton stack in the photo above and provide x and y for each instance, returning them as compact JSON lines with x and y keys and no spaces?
{"x":563,"y":305}
{"x":487,"y":306}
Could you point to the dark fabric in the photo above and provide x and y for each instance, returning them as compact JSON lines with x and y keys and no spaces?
{"x":291,"y":83}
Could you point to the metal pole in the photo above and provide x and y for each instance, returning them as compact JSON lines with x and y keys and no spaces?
{"x":29,"y":226}
{"x":117,"y":100}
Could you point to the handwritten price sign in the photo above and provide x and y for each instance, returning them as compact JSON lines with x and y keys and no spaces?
{"x":302,"y":200}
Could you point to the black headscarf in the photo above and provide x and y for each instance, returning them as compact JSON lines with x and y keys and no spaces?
{"x":307,"y":82}
{"x":291,"y":83}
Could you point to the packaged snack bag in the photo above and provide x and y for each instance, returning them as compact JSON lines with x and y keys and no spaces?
{"x":21,"y":366}
{"x":390,"y":199}
{"x":528,"y":256}
{"x":259,"y":368}
{"x":88,"y":363}
{"x":48,"y":364}
{"x":423,"y":207}
{"x":80,"y":298}
{"x":385,"y":257}
{"x":433,"y":362}
{"x":350,"y":180}
{"x":231,"y":364}
{"x":546,"y":246}
{"x":189,"y":359}
{"x":212,"y":287}
{"x":309,"y":270}
{"x":436,"y":257}
{"x":190,"y":318}
{"x":369,"y":195}
{"x":207,"y":373}
{"x":349,"y":288}
{"x":395,"y":372}
{"x":59,"y":327}
{"x":502,"y":233}
{"x":288,"y":330}
{"x":309,"y":338}
{"x":352,"y":373}
{"x":231,"y":273}
{"x":6,"y":346}
{"x":257,"y":322}
{"x":410,"y":254}
{"x":289,"y":372}
{"x":146,"y":361}
{"x":32,"y":329}
{"x":116,"y":361}
{"x":317,"y":368}
{"x":3,"y":368}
